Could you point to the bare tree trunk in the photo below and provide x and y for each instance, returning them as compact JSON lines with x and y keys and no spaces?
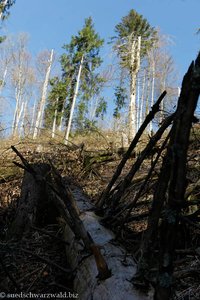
{"x":138,"y":103}
{"x":152,"y":92}
{"x":73,"y":103}
{"x":21,"y":77}
{"x":54,"y":120}
{"x":33,"y":117}
{"x":135,"y":65}
{"x":132,"y":109}
{"x":18,"y":96}
{"x":43,"y":98}
{"x":4,"y":79}
{"x":162,"y":106}
{"x":142,"y":99}
{"x":147,"y":94}
{"x":17,"y":116}
{"x":22,"y":127}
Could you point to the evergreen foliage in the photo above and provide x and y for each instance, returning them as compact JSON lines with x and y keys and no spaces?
{"x":56,"y":101}
{"x":86,"y":44}
{"x":129,"y":29}
{"x":4,"y":11}
{"x":120,"y":100}
{"x":5,"y":7}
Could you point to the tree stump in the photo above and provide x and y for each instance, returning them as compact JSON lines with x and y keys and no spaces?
{"x":33,"y":207}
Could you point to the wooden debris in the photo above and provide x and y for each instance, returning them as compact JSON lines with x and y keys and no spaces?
{"x":133,"y":144}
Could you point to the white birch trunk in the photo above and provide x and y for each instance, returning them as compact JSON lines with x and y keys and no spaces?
{"x":33,"y":117}
{"x":18,"y":96}
{"x":138,"y":102}
{"x":135,"y":65}
{"x":73,"y":103}
{"x":142,"y":99}
{"x":43,"y":98}
{"x":14,"y":117}
{"x":19,"y":114}
{"x":132,"y":110}
{"x":22,"y":127}
{"x":17,"y":110}
{"x":162,"y":103}
{"x":54,"y":120}
{"x":4,"y":79}
{"x":147,"y":95}
{"x":152,"y":93}
{"x":179,"y":91}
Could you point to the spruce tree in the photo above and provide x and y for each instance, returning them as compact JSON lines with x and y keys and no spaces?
{"x":134,"y":38}
{"x":5,"y":7}
{"x":82,"y":52}
{"x":4,"y":12}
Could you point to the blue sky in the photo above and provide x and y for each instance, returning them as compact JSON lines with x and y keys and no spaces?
{"x":50,"y":23}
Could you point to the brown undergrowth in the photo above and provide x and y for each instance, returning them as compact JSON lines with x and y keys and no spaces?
{"x":27,"y":265}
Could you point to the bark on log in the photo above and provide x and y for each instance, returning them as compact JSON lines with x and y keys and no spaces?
{"x":33,"y":200}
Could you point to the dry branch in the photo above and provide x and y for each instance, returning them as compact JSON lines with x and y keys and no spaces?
{"x":169,"y":197}
{"x":133,"y":144}
{"x":124,"y":184}
{"x":133,"y":203}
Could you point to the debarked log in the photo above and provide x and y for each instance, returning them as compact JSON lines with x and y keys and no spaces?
{"x":89,"y":262}
{"x":87,"y":284}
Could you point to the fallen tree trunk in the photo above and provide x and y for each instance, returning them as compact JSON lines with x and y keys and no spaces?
{"x":122,"y":266}
{"x":101,"y":267}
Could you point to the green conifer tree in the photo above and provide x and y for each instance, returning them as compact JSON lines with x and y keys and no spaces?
{"x":83,"y":49}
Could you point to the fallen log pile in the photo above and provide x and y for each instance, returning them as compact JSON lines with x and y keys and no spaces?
{"x":100,"y":266}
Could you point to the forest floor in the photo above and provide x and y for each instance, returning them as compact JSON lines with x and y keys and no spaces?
{"x":37,"y":262}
